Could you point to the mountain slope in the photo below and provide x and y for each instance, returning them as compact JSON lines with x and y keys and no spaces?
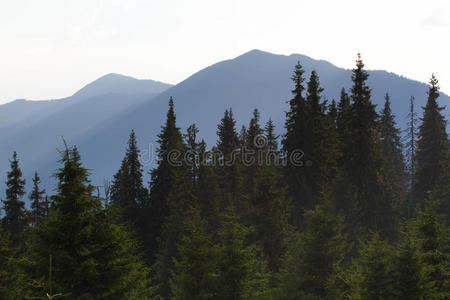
{"x":38,"y":129}
{"x":254,"y":79}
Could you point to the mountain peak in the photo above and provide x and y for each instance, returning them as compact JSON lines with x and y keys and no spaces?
{"x":120,"y":84}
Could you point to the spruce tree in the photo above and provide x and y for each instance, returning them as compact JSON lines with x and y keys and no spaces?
{"x":93,"y":257}
{"x":393,"y":169}
{"x":170,"y":196}
{"x":293,"y":142}
{"x":39,"y":203}
{"x":374,"y":268}
{"x":241,"y":269}
{"x":194,"y":274}
{"x":228,"y":148}
{"x":129,"y":195}
{"x":13,"y":281}
{"x":314,"y":260}
{"x":433,"y":238}
{"x":14,"y":220}
{"x":409,"y":270}
{"x":362,"y":160}
{"x":432,"y":144}
{"x":411,"y":143}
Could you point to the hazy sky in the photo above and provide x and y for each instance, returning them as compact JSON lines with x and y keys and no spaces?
{"x":49,"y":49}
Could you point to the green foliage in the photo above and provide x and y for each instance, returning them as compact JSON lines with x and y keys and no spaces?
{"x":241,"y":269}
{"x":12,"y":277}
{"x":15,"y":219}
{"x":432,"y":145}
{"x":373,"y":270}
{"x":195,"y":272}
{"x":93,"y":257}
{"x":39,"y":203}
{"x":409,"y":269}
{"x":314,"y":259}
{"x":434,"y":244}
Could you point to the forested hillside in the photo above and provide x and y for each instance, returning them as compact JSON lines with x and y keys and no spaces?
{"x":341,"y":205}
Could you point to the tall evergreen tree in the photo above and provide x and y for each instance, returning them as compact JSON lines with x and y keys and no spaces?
{"x":432,"y":144}
{"x":411,"y":143}
{"x":374,"y":267}
{"x":362,"y":161}
{"x":433,"y":238}
{"x":313,"y":262}
{"x":14,"y":220}
{"x":194,"y":275}
{"x":241,"y":270}
{"x":170,"y":196}
{"x":393,"y":169}
{"x":409,"y":271}
{"x":93,"y":257}
{"x":130,"y":196}
{"x":293,"y":142}
{"x":13,"y":281}
{"x":39,"y":203}
{"x":228,"y":147}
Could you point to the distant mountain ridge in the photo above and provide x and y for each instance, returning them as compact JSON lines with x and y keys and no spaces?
{"x":255,"y":79}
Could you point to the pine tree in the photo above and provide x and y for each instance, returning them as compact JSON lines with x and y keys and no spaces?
{"x":374,"y":267}
{"x":411,"y":143}
{"x":409,"y":271}
{"x":129,"y":195}
{"x":170,"y":196}
{"x":12,"y":278}
{"x":269,"y":215}
{"x":272,"y":139}
{"x":361,"y":158}
{"x":192,"y":154}
{"x":241,"y":270}
{"x":39,"y":203}
{"x":228,"y":148}
{"x":15,"y":220}
{"x":393,"y":170}
{"x":432,"y":145}
{"x":93,"y":257}
{"x":313,"y":262}
{"x":293,"y":142}
{"x":194,"y":275}
{"x":434,"y":244}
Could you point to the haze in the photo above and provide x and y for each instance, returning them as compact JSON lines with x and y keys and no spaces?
{"x":49,"y":49}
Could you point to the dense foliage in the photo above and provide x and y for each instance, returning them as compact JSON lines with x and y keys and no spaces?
{"x":336,"y":208}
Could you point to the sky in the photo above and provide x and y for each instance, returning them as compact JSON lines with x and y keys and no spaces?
{"x":51,"y":48}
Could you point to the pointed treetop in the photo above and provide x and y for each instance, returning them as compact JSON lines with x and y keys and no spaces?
{"x":434,"y":82}
{"x":298,"y":79}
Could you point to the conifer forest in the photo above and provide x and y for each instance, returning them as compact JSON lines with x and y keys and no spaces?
{"x":341,"y":205}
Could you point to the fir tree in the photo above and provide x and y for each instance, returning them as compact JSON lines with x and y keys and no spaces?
{"x":14,"y":220}
{"x":393,"y":165}
{"x":293,"y":142}
{"x":374,"y":267}
{"x":362,"y":161}
{"x":409,"y":271}
{"x":194,"y":275}
{"x":313,"y":262}
{"x":170,"y":196}
{"x":39,"y":203}
{"x":432,"y":144}
{"x":93,"y":257}
{"x":434,"y":243}
{"x":241,"y":270}
{"x":130,"y":196}
{"x":411,"y":143}
{"x":12,"y":278}
{"x":228,"y":147}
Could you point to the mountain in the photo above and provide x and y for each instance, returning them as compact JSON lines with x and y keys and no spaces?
{"x":35,"y":128}
{"x":254,"y":79}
